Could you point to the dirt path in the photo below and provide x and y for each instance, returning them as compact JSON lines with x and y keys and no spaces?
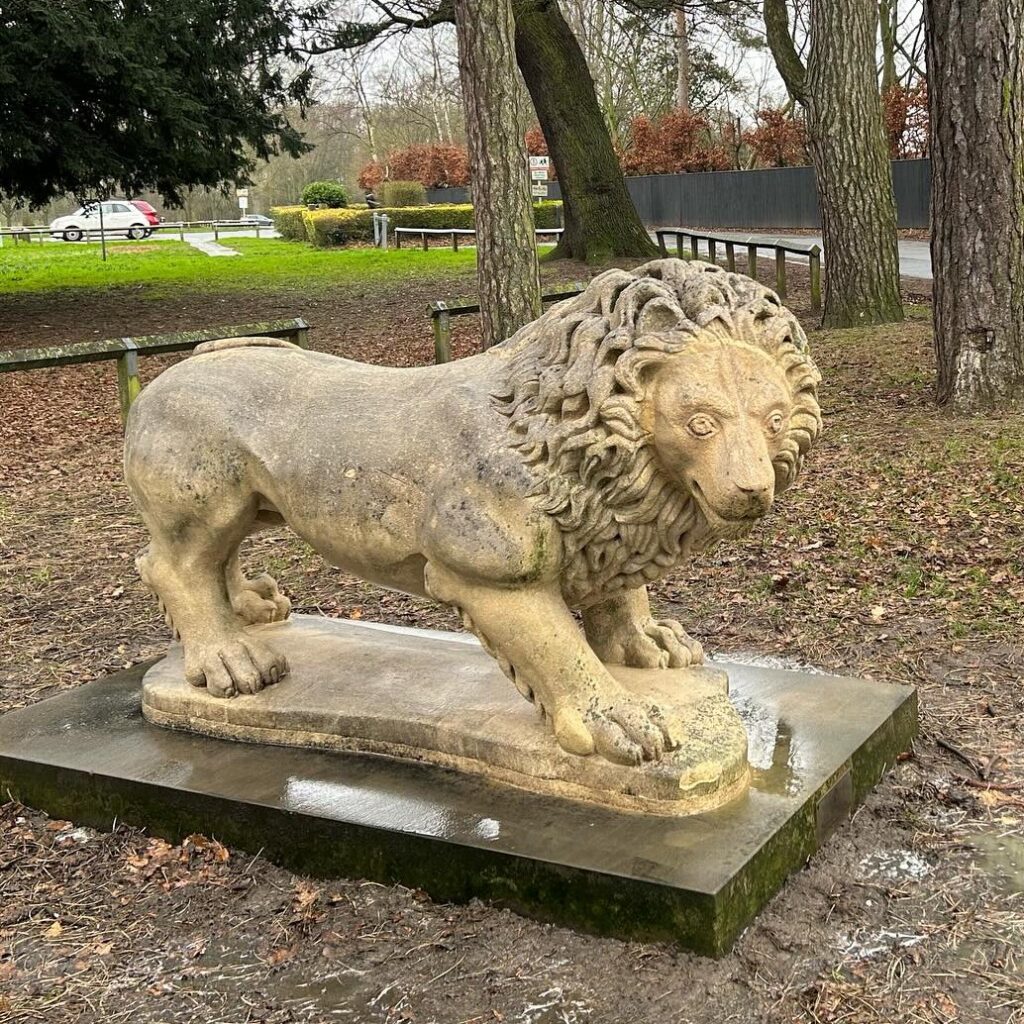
{"x":898,"y":556}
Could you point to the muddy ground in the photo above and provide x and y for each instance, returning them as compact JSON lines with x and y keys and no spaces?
{"x":898,"y":556}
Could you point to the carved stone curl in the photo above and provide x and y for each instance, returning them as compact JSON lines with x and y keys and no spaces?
{"x":660,"y":411}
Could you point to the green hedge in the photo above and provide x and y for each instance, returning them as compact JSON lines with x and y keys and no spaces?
{"x":402,"y":193}
{"x":326,"y":228}
{"x":288,"y":222}
{"x":325,"y":193}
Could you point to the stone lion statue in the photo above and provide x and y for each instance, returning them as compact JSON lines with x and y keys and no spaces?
{"x":628,"y":428}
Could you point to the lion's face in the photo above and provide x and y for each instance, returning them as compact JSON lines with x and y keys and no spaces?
{"x":721,"y":411}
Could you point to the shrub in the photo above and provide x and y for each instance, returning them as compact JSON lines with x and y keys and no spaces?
{"x":341,"y":227}
{"x":325,"y":193}
{"x":677,"y":141}
{"x":547,"y":213}
{"x":371,"y":176}
{"x":289,"y":223}
{"x":906,"y":120}
{"x":402,"y":193}
{"x":433,"y":166}
{"x":778,"y":140}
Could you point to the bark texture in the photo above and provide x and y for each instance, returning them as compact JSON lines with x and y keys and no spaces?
{"x":506,"y":249}
{"x":682,"y":61}
{"x":887,"y":30}
{"x":600,"y":219}
{"x":846,"y":138}
{"x":976,"y":93}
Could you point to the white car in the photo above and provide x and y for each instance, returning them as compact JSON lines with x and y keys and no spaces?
{"x":119,"y":217}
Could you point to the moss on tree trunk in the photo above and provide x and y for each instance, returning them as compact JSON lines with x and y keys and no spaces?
{"x":846,"y":138}
{"x":600,"y":219}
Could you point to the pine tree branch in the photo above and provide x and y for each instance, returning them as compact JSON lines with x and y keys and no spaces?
{"x":780,"y":42}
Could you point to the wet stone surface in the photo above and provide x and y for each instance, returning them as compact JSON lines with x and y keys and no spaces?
{"x":89,"y":754}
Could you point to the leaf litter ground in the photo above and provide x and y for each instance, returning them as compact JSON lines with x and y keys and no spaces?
{"x":898,"y":557}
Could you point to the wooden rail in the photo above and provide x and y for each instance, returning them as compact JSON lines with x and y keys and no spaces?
{"x":752,"y":244}
{"x":127,"y":351}
{"x":426,"y":233}
{"x":441,"y":314}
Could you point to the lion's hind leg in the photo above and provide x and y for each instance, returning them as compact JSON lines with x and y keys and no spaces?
{"x":193,"y":547}
{"x":256,"y":600}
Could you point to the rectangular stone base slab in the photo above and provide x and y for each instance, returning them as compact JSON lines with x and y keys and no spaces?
{"x":817,"y":745}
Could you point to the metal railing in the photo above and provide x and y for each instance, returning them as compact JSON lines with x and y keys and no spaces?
{"x":441,"y":314}
{"x":26,"y":234}
{"x":427,"y":233}
{"x":752,"y":244}
{"x":127,"y":351}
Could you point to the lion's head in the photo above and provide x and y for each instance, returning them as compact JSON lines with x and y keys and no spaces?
{"x":661,"y":409}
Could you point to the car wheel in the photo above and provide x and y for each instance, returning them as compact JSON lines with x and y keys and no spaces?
{"x":136,"y":232}
{"x":72,"y":234}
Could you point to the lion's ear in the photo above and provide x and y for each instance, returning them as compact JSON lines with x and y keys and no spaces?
{"x":659,"y":314}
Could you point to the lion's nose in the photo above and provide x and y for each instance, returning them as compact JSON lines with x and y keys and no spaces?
{"x":758,"y":497}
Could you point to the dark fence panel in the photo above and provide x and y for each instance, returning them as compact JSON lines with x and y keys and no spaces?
{"x":461,"y":195}
{"x":776,"y":197}
{"x":912,"y":183}
{"x":448,"y":195}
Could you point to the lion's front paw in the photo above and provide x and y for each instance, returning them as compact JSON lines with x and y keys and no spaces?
{"x":618,"y":726}
{"x":238,"y":664}
{"x":260,"y":600}
{"x":673,"y":647}
{"x":651,"y":643}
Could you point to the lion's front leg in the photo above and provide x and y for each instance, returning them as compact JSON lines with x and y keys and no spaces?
{"x":622,"y":631}
{"x":536,"y":640}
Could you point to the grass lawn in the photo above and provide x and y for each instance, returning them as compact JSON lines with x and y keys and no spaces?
{"x":265,"y":263}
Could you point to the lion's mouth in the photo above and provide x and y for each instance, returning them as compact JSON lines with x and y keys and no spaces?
{"x":717,"y":523}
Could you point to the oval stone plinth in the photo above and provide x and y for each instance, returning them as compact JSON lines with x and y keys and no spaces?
{"x":439,"y":698}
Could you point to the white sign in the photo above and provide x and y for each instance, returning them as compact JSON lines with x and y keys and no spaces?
{"x":540,"y":190}
{"x":538,"y":162}
{"x":243,"y":202}
{"x":243,"y":193}
{"x":539,"y":173}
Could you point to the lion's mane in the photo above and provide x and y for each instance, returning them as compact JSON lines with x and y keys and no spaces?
{"x":576,"y":381}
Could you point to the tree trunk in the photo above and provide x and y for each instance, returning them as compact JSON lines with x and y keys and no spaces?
{"x":506,"y":248}
{"x":846,"y":138}
{"x":975,"y":54}
{"x":682,"y":62}
{"x":600,"y":219}
{"x":887,"y":24}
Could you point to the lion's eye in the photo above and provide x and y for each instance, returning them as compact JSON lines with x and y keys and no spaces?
{"x":701,"y":426}
{"x":775,"y":422}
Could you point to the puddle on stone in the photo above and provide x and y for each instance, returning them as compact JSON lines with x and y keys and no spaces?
{"x":1001,"y":858}
{"x":776,"y":760}
{"x":381,"y":809}
{"x":777,"y":661}
{"x":895,"y":866}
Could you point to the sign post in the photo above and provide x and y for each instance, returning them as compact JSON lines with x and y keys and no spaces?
{"x":539,"y":176}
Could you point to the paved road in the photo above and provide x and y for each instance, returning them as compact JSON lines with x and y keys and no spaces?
{"x":915,"y":256}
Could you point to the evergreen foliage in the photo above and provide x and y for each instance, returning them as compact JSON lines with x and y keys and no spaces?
{"x":325,"y":193}
{"x":101,"y":96}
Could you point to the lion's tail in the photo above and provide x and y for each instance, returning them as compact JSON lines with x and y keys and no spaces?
{"x":223,"y":343}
